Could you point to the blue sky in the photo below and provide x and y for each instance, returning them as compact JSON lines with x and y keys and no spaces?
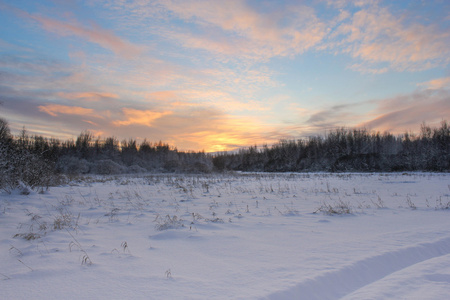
{"x":219,"y":75}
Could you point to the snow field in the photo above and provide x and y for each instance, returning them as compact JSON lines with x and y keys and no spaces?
{"x":232,"y":236}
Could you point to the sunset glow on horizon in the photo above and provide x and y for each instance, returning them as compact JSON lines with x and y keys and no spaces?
{"x":221,"y":75}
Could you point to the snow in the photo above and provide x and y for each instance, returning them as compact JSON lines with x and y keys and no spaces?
{"x":230,"y":236}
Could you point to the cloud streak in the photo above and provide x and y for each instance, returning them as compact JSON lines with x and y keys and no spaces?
{"x":407,"y":112}
{"x":396,"y":114}
{"x":436,"y":84}
{"x":89,"y":96}
{"x":93,"y":33}
{"x":140,"y":117}
{"x":55,"y":109}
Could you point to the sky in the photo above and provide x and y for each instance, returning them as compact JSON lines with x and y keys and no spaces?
{"x":221,"y":75}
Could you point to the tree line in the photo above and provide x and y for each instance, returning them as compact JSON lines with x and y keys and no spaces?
{"x":35,"y":161}
{"x":29,"y":161}
{"x":348,"y":150}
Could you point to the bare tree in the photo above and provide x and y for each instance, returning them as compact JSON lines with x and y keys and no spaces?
{"x":5,"y":134}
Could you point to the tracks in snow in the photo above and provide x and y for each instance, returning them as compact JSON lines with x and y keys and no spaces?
{"x":337,"y":284}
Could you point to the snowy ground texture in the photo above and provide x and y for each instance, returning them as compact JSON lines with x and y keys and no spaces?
{"x":238,"y":236}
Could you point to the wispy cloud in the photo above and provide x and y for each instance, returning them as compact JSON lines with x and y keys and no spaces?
{"x":140,"y":117}
{"x":92,"y":33}
{"x":395,"y":114}
{"x":56,"y":109}
{"x":90,"y":96}
{"x":342,"y":115}
{"x":90,"y":122}
{"x":383,"y":41}
{"x":234,"y":28}
{"x":436,"y":84}
{"x":376,"y":37}
{"x":407,"y":112}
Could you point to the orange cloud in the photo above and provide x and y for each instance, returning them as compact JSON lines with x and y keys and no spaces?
{"x":90,"y":122}
{"x":140,"y":117}
{"x":94,"y":96}
{"x":211,"y":97}
{"x":98,"y":133}
{"x":162,"y":95}
{"x":183,"y":104}
{"x":55,"y":109}
{"x":436,"y":84}
{"x":94,"y":34}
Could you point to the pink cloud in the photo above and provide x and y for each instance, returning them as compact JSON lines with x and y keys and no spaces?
{"x":90,"y":122}
{"x":254,"y":34}
{"x":396,"y":114}
{"x":436,"y":84}
{"x":94,"y":34}
{"x":93,"y":96}
{"x":407,"y":112}
{"x":376,"y":36}
{"x":162,"y":95}
{"x":140,"y":117}
{"x":55,"y":109}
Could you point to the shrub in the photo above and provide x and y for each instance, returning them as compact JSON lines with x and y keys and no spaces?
{"x":339,"y":208}
{"x":73,"y":165}
{"x":21,"y":169}
{"x":107,"y":167}
{"x":168,"y":222}
{"x":136,"y":169}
